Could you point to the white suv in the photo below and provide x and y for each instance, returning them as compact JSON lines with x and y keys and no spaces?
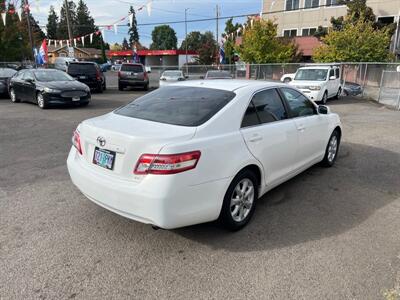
{"x":319,"y":83}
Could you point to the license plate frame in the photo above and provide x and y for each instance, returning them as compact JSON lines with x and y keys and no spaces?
{"x":101,"y":158}
{"x":76,"y":98}
{"x":82,"y":77}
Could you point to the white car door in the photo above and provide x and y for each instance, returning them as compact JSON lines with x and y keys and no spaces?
{"x":270,"y":135}
{"x":312,"y":128}
{"x":331,"y":83}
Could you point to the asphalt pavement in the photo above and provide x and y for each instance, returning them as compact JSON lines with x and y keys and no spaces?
{"x":326,"y":234}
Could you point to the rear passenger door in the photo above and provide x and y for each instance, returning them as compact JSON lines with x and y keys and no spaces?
{"x":270,"y":135}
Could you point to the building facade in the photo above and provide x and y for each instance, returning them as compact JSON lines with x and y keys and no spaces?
{"x":302,"y":17}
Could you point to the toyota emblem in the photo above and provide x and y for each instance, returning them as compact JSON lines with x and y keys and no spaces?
{"x":101,"y":141}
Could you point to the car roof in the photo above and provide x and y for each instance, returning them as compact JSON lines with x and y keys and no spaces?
{"x":230,"y":84}
{"x":83,"y":62}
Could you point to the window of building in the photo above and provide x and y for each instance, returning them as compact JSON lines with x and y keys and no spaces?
{"x":311,"y":3}
{"x":290,"y":32}
{"x":332,"y":2}
{"x":292,"y":4}
{"x":308,"y":31}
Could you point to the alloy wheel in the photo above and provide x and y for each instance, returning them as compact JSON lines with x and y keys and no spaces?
{"x":40,"y":100}
{"x":13,"y":96}
{"x":242,"y":200}
{"x":332,"y":148}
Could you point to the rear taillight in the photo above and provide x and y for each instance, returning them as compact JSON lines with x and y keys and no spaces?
{"x":145,"y":76}
{"x":119,"y":73}
{"x":98,"y":77}
{"x":76,"y":141}
{"x":164,"y":164}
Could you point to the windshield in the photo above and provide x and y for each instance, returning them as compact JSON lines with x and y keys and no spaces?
{"x":7,"y":72}
{"x":185,"y":106}
{"x":51,"y":75}
{"x":311,"y":74}
{"x":219,"y":74}
{"x":173,"y":73}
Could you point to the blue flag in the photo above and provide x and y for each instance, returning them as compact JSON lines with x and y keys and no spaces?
{"x":221,"y":55}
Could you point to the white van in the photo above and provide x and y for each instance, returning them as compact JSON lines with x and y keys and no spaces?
{"x":319,"y":82}
{"x":61,"y":63}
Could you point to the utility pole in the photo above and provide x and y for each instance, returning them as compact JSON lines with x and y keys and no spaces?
{"x":396,"y":36}
{"x":186,"y":43}
{"x":28,"y":20}
{"x":68,"y":22}
{"x":217,"y":29}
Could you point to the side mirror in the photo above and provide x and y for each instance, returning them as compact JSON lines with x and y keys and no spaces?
{"x":323,"y":110}
{"x":332,"y":78}
{"x":30,"y":80}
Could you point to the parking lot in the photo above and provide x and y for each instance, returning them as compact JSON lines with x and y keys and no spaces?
{"x":326,"y":234}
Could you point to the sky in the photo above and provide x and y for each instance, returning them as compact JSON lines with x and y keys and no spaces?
{"x":107,"y":12}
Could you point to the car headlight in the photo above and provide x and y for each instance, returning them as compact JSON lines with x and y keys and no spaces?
{"x":52,"y":91}
{"x":314,"y":88}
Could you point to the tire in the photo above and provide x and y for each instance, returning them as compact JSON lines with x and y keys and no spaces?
{"x":324,"y":98}
{"x":120,"y":87}
{"x":41,"y":101}
{"x":13,"y":96}
{"x":104,"y":86}
{"x":339,"y":93}
{"x":146,"y":87}
{"x":332,"y":150}
{"x":235,"y":216}
{"x":100,"y":88}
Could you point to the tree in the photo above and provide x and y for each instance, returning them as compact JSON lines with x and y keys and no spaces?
{"x":359,"y":42}
{"x":62,"y":28}
{"x":229,"y":45}
{"x":164,"y":38}
{"x":52,"y":21}
{"x":125,"y":45}
{"x":116,"y":47}
{"x":208,"y":50}
{"x":85,"y":24}
{"x":133,"y":32}
{"x":260,"y":44}
{"x":193,"y":41}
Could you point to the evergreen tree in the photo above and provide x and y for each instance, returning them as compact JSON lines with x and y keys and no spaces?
{"x":2,"y":41}
{"x":52,"y":22}
{"x":125,"y":45}
{"x":85,"y":25}
{"x":229,"y":44}
{"x":164,"y":38}
{"x":133,"y":32}
{"x":62,"y":28}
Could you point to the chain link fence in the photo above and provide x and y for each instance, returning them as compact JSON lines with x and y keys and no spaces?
{"x":389,"y":92}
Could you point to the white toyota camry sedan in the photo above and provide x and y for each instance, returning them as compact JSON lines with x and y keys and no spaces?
{"x":200,"y":151}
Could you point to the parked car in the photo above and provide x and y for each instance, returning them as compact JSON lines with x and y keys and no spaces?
{"x":61,"y":63}
{"x":218,"y":74}
{"x":132,"y":74}
{"x":319,"y":83}
{"x":352,"y":89}
{"x":199,"y":151}
{"x":286,"y":78}
{"x":116,"y":67}
{"x":48,"y":87}
{"x":88,"y":73}
{"x":171,"y":76}
{"x":5,"y":76}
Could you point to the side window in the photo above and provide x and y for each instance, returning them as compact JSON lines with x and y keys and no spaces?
{"x":269,"y":106}
{"x":337,"y":73}
{"x":299,"y":104}
{"x":20,"y":74}
{"x":250,"y":117}
{"x":265,"y":107}
{"x":331,"y":73}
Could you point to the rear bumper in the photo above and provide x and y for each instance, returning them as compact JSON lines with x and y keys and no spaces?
{"x":128,"y":82}
{"x":157,"y":199}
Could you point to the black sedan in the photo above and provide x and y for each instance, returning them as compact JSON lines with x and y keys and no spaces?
{"x":48,"y":87}
{"x":5,"y":75}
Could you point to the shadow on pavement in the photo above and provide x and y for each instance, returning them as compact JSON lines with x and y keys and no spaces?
{"x":316,"y":204}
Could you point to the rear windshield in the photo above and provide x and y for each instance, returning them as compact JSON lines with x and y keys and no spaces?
{"x":81,"y":69}
{"x":7,"y":72}
{"x":178,"y":105}
{"x":132,"y":68}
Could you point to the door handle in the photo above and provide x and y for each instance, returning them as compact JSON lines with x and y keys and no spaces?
{"x":255,"y":139}
{"x":301,"y":128}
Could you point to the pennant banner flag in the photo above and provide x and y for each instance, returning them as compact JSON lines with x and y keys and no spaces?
{"x":130,"y":20}
{"x":116,"y":28}
{"x":149,"y":6}
{"x":20,"y":10}
{"x":83,"y":41}
{"x":91,"y":38}
{"x":75,"y":42}
{"x":3,"y":16}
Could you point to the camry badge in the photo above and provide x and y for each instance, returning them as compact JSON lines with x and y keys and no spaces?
{"x":101,"y":141}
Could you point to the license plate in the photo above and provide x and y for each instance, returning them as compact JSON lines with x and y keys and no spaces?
{"x":104,"y":158}
{"x":76,"y":98}
{"x":82,"y":77}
